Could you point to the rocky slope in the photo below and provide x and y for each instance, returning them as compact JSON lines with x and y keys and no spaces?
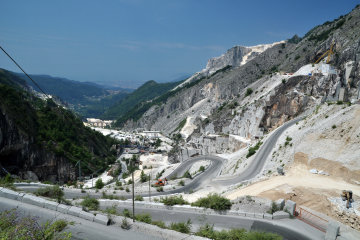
{"x":40,"y":140}
{"x":220,"y":104}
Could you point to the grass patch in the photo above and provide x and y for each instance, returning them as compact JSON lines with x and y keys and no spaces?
{"x":234,"y":234}
{"x":7,"y":182}
{"x":183,"y":227}
{"x":53,"y":192}
{"x":139,"y":198}
{"x":14,"y":226}
{"x":146,"y":218}
{"x":213,"y":201}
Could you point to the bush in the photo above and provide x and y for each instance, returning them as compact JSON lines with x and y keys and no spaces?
{"x":160,"y":189}
{"x":125,"y":224}
{"x":187,"y":175}
{"x":139,"y":198}
{"x":181,"y":226}
{"x":118,"y":183}
{"x":126,"y":213}
{"x":54,"y":192}
{"x":274,"y":208}
{"x":146,"y":218}
{"x":173,"y":200}
{"x":249,"y":91}
{"x":143,"y":177}
{"x":127,"y":189}
{"x":201,"y":169}
{"x":182,"y":183}
{"x":99,"y":184}
{"x":213,"y":201}
{"x":252,"y":150}
{"x":90,"y":203}
{"x":7,"y":182}
{"x":333,"y":126}
{"x":13,"y":226}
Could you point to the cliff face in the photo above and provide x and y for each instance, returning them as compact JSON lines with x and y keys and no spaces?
{"x":21,"y":156}
{"x":218,"y":104}
{"x":40,"y":140}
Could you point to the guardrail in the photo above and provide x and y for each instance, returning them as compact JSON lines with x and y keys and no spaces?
{"x":312,"y":219}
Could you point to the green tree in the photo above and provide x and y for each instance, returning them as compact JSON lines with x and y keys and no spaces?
{"x":99,"y":184}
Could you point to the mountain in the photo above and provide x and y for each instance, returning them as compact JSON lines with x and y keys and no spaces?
{"x":86,"y":98}
{"x":143,"y":94}
{"x":41,"y":140}
{"x":234,"y":57}
{"x":252,"y":95}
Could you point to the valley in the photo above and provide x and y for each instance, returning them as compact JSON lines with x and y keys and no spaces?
{"x":265,"y":138}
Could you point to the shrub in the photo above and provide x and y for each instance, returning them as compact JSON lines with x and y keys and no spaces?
{"x":183,"y":227}
{"x":125,"y":224}
{"x":126,"y":213}
{"x":158,"y":175}
{"x":7,"y":182}
{"x":283,"y":81}
{"x":143,"y":177}
{"x":273,"y":208}
{"x":187,"y":175}
{"x":99,"y":184}
{"x":139,"y":198}
{"x":201,"y":169}
{"x":118,"y":183}
{"x":160,"y":189}
{"x":333,"y":126}
{"x":13,"y":226}
{"x":127,"y":189}
{"x":182,"y":183}
{"x":297,"y":57}
{"x":54,"y":192}
{"x":213,"y":201}
{"x":249,"y":91}
{"x":252,"y":150}
{"x":90,"y":203}
{"x":173,"y":200}
{"x":146,"y":218}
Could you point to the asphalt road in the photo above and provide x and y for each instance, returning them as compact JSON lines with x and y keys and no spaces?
{"x":256,"y":166}
{"x":82,"y":229}
{"x":291,"y":229}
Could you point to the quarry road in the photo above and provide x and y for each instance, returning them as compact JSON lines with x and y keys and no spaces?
{"x":289,"y":229}
{"x":257,"y":164}
{"x":210,"y":173}
{"x":81,"y":229}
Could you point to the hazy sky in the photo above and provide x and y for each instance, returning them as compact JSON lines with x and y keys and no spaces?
{"x":127,"y":42}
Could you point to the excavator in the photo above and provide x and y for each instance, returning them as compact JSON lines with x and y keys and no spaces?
{"x":161,"y":182}
{"x":328,"y":53}
{"x":347,"y":196}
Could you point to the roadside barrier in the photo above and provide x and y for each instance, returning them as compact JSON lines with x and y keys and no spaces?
{"x":311,"y":219}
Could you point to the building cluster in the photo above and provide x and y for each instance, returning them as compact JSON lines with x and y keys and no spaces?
{"x":94,"y":122}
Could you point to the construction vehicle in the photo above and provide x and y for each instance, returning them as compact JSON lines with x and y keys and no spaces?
{"x":160,"y":182}
{"x":347,"y":196}
{"x":328,"y":53}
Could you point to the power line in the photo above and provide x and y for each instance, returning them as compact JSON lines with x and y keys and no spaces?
{"x":24,"y":72}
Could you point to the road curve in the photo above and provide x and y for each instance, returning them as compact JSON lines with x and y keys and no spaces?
{"x":258,"y":162}
{"x":210,"y":173}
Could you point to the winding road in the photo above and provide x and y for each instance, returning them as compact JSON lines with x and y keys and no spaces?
{"x":211,"y":172}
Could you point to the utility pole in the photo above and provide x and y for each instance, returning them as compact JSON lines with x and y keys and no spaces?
{"x":133,"y":187}
{"x":149,"y":184}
